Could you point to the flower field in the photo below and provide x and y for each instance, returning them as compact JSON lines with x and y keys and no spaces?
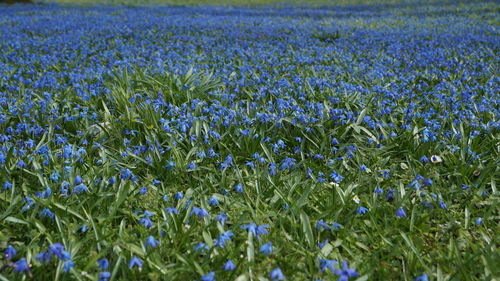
{"x":283,"y":142}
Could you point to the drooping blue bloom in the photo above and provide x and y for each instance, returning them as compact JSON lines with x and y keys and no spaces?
{"x":200,"y":212}
{"x":68,"y":265}
{"x":104,"y":276}
{"x":151,"y":242}
{"x":276,"y":274}
{"x":208,"y":277}
{"x":171,"y":210}
{"x":345,"y":273}
{"x":478,"y":221}
{"x":229,"y":266}
{"x":400,"y":212}
{"x":321,"y":224}
{"x":103,"y":263}
{"x":43,"y":257}
{"x":337,"y":178}
{"x":213,"y":201}
{"x":222,"y":218}
{"x":7,"y":185}
{"x":325,"y":264}
{"x":238,"y":188}
{"x":143,"y":190}
{"x":9,"y":252}
{"x":135,"y":262}
{"x":336,"y":226}
{"x":21,"y":266}
{"x":266,"y":248}
{"x":361,"y":210}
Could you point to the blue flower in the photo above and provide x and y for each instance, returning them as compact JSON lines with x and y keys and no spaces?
{"x":229,"y":266}
{"x":9,"y":252}
{"x":200,"y":212}
{"x":400,"y":212}
{"x":322,"y":225}
{"x":325,"y":264}
{"x":7,"y":185}
{"x":276,"y":274}
{"x":21,"y":266}
{"x":43,"y":257}
{"x":57,"y":250}
{"x":361,"y":210}
{"x":345,"y":273}
{"x":103,"y":263}
{"x":478,"y":221}
{"x":238,"y":188}
{"x":337,"y":178}
{"x":213,"y":201}
{"x":266,"y":249}
{"x":68,"y":265}
{"x":143,"y":190}
{"x":171,"y":210}
{"x":104,"y":276}
{"x":151,"y":242}
{"x":208,"y":277}
{"x":135,"y":262}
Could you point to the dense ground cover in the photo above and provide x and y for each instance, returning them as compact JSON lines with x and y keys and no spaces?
{"x":203,"y":143}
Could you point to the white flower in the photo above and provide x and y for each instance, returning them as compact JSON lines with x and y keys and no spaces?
{"x":436,"y":159}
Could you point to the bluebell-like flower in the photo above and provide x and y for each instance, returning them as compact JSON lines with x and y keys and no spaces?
{"x":151,"y":242}
{"x":361,"y":210}
{"x":337,"y":178}
{"x":171,"y":210}
{"x":238,"y":188}
{"x":222,"y":218}
{"x":135,"y":262}
{"x":213,"y":201}
{"x":229,"y":266}
{"x":104,"y":276}
{"x":478,"y":221}
{"x":9,"y":252}
{"x":43,"y":257}
{"x":103,"y":263}
{"x":266,"y":248}
{"x":321,"y":224}
{"x":345,"y":273}
{"x":208,"y":277}
{"x":68,"y":265}
{"x":325,"y":264}
{"x":276,"y":274}
{"x":21,"y":266}
{"x":400,"y":212}
{"x":200,"y":212}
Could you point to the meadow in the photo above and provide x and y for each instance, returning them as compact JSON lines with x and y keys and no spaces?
{"x":323,"y":140}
